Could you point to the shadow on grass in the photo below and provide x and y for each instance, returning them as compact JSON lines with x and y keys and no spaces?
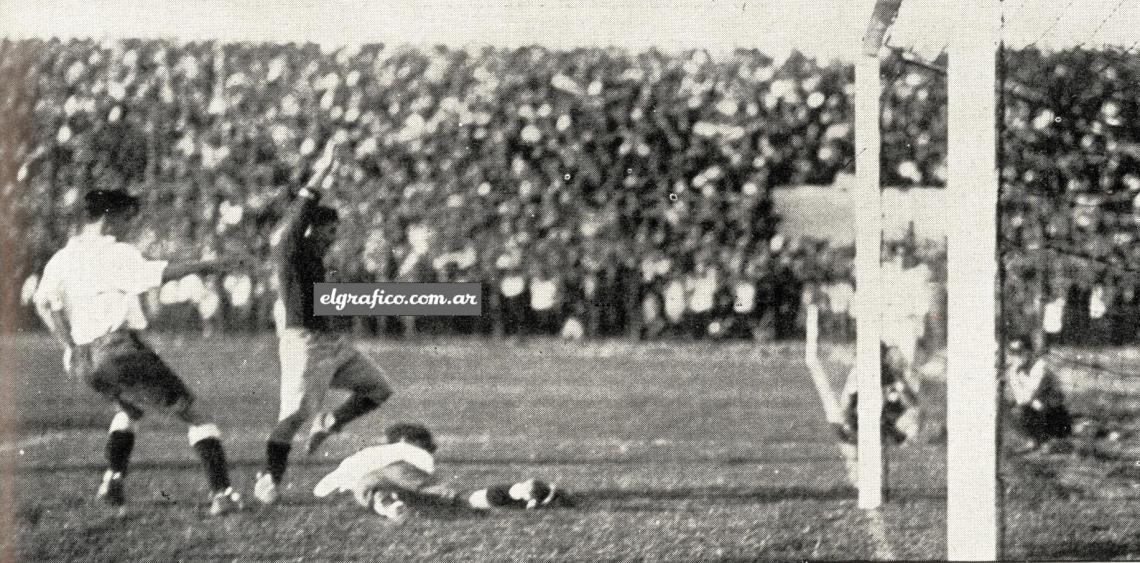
{"x":331,"y":462}
{"x":62,"y":422}
{"x":1101,"y":550}
{"x":628,"y":499}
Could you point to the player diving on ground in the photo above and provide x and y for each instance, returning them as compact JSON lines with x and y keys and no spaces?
{"x":902,"y":415}
{"x":398,"y":476}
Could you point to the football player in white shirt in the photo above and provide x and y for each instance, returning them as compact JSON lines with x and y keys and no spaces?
{"x":400,"y":474}
{"x":89,"y":299}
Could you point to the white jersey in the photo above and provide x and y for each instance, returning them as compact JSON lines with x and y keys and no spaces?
{"x":543,"y":294}
{"x":361,"y":463}
{"x":96,"y":281}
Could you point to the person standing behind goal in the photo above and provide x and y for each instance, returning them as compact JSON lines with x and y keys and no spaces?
{"x":314,"y":354}
{"x":89,"y":299}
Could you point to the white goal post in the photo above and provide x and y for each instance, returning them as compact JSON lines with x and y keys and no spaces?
{"x":972,"y":522}
{"x":868,"y":248}
{"x":972,"y":526}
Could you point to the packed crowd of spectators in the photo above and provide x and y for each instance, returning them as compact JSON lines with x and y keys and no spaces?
{"x":1071,"y":179}
{"x":594,"y":191}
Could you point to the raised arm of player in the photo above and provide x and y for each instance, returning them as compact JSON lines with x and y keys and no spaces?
{"x":287,"y":238}
{"x":292,"y":228}
{"x":287,"y":241}
{"x":177,"y":270}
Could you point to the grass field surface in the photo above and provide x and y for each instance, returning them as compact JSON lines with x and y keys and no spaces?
{"x":674,"y":452}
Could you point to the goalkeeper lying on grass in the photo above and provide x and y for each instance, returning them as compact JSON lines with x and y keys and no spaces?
{"x":393,"y":477}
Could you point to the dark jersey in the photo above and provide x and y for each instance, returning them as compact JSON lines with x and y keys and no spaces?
{"x":297,"y":266}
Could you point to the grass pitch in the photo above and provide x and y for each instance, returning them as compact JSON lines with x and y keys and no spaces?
{"x":675,"y":452}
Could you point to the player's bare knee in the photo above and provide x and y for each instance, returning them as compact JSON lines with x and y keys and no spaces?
{"x":198,"y":432}
{"x":122,"y":422}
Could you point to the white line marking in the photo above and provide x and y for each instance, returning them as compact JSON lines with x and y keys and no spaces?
{"x":20,"y":445}
{"x":850,"y":457}
{"x":831,"y":409}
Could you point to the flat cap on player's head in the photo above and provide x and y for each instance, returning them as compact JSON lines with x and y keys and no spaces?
{"x":98,"y":203}
{"x":412,"y":433}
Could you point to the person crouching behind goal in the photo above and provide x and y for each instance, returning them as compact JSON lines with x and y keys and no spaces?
{"x":399,"y":475}
{"x":89,"y":299}
{"x":1040,"y":412}
{"x":314,"y":354}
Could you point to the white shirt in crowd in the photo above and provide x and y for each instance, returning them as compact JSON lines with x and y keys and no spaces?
{"x":513,"y":285}
{"x":702,"y":296}
{"x":1098,"y":303}
{"x":543,"y":294}
{"x":1053,"y":315}
{"x":650,"y":308}
{"x":96,"y":281}
{"x":675,"y":300}
{"x":744,"y":297}
{"x":840,"y":297}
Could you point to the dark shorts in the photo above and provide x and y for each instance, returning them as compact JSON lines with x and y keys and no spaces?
{"x":1046,"y":423}
{"x":126,"y":370}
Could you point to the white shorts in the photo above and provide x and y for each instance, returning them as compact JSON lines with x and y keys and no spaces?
{"x":311,"y":363}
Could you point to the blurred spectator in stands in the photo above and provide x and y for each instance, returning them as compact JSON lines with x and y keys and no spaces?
{"x":607,"y":153}
{"x":545,"y":301}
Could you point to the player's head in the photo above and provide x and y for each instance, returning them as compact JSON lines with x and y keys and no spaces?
{"x":412,"y":433}
{"x":894,"y":363}
{"x":322,"y":228}
{"x":116,"y":209}
{"x":1018,"y":350}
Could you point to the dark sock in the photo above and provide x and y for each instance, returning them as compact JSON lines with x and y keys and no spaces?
{"x":353,"y":408}
{"x":214,"y":459}
{"x":500,"y":495}
{"x":119,"y":446}
{"x":277,"y":459}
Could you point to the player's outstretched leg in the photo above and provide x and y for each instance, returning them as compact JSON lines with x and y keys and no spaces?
{"x":206,"y":440}
{"x":120,"y":444}
{"x":369,"y":390}
{"x":529,"y":495}
{"x":329,"y":423}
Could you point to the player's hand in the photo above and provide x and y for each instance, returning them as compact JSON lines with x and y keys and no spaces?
{"x":324,"y":166}
{"x":366,"y":486}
